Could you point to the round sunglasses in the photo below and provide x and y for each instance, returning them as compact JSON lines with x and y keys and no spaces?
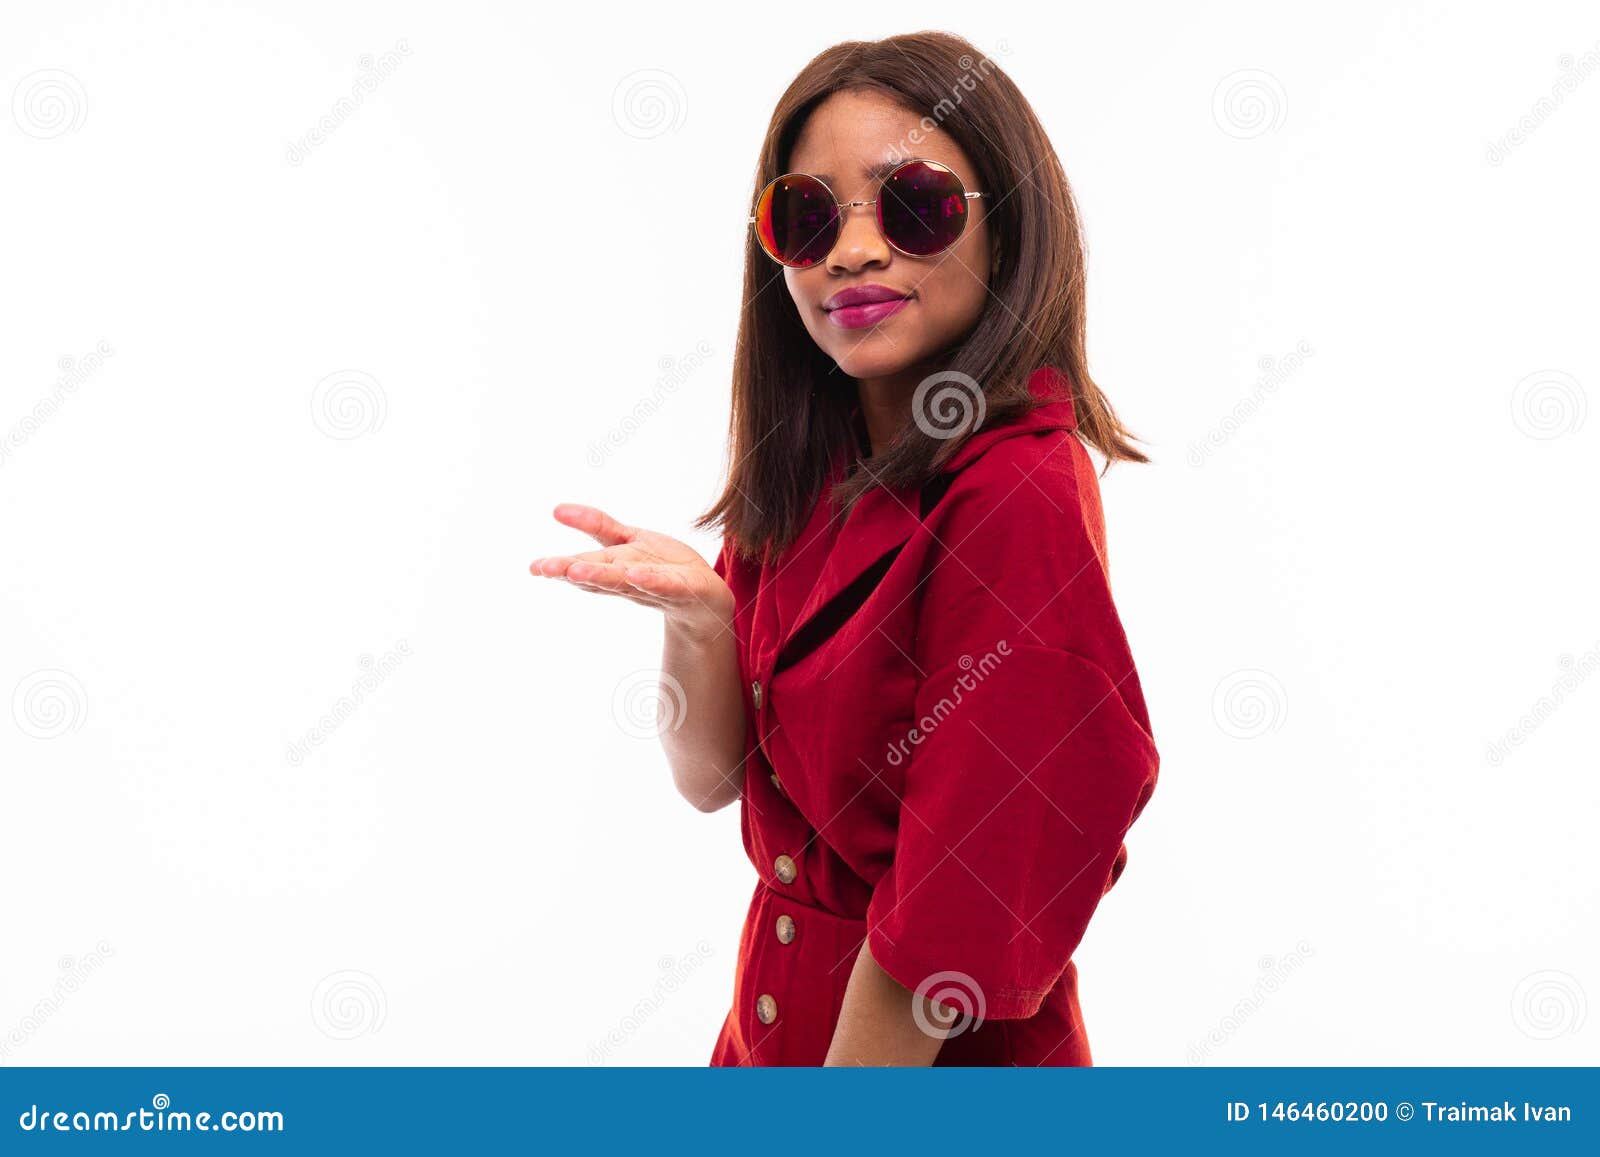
{"x":921,"y":211}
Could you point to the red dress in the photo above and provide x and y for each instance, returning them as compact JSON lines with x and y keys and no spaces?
{"x":947,"y":744}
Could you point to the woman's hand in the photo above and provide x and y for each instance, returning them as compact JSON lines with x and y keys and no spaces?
{"x":645,"y":567}
{"x":705,"y":742}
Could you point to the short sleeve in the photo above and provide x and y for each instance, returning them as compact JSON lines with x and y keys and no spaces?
{"x":1030,"y":757}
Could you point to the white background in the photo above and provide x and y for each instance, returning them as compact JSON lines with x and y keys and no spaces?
{"x":486,"y":863}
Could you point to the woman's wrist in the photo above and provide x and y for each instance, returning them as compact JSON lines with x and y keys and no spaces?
{"x":701,"y":626}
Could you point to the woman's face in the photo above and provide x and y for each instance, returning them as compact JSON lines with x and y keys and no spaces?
{"x":843,"y":140}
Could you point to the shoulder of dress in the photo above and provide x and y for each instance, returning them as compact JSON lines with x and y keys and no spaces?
{"x":1045,"y":477}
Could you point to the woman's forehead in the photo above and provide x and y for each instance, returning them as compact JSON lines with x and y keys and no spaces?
{"x":861,"y":136}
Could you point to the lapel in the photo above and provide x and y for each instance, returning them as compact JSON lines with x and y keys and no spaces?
{"x":833,"y":559}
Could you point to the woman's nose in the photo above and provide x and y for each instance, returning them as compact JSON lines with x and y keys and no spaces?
{"x":860,"y":243}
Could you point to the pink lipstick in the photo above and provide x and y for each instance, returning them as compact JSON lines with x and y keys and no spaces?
{"x":863,"y":305}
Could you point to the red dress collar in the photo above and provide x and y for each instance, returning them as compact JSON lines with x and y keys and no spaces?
{"x":1046,"y":383}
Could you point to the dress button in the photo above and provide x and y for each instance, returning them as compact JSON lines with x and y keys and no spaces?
{"x":775,"y":782}
{"x":755,"y":693}
{"x":785,"y":929}
{"x":784,"y":866}
{"x":766,"y":1008}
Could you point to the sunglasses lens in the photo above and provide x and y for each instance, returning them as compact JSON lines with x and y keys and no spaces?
{"x":797,"y":220}
{"x":922,"y":208}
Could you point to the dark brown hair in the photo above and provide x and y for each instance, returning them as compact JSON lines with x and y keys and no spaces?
{"x":791,"y":405}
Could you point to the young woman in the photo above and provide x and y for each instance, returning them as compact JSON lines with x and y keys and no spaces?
{"x":906,"y":662}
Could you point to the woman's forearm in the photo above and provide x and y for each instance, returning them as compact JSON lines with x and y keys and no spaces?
{"x":704,"y":730}
{"x":882,"y":1022}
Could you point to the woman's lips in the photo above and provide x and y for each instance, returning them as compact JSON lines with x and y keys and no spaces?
{"x":860,"y":316}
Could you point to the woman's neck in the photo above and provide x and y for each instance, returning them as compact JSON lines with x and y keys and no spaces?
{"x":886,"y":404}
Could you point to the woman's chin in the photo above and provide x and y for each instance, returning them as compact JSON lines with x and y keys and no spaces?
{"x":872,"y":356}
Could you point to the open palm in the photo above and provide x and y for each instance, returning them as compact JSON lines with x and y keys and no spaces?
{"x":641,"y":566}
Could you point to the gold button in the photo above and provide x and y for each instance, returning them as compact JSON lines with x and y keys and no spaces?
{"x":766,"y":1008}
{"x":784,"y":866}
{"x":785,"y":929}
{"x":755,"y":693}
{"x":775,"y":782}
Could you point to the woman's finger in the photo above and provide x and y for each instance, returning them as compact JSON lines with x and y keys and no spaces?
{"x":594,"y":522}
{"x":633,"y":596}
{"x":606,"y":574}
{"x":555,"y":566}
{"x":664,"y":587}
{"x":658,"y":580}
{"x":550,"y":561}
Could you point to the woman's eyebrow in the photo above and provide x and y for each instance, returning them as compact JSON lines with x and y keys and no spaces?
{"x":875,"y":172}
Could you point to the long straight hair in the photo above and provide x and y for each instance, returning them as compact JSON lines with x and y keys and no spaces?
{"x":791,"y":409}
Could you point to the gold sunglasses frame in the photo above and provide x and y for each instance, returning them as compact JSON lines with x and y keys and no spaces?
{"x":844,"y":207}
